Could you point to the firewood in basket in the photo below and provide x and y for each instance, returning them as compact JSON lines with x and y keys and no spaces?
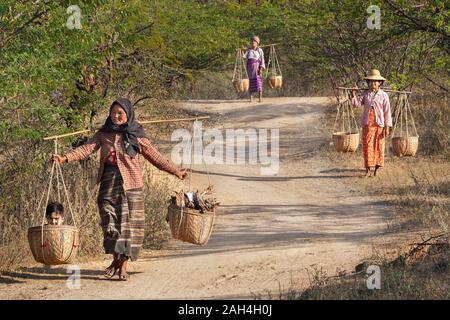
{"x":201,"y":201}
{"x":198,"y":203}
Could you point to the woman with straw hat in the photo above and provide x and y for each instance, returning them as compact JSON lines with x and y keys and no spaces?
{"x":121,"y":141}
{"x":255,"y":64}
{"x":376,"y":120}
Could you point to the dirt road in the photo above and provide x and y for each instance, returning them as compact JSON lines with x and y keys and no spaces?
{"x":271,"y":231}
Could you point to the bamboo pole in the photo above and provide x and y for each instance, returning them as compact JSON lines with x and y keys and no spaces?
{"x":31,"y":109}
{"x":387,"y":90}
{"x":66,"y":135}
{"x":141,"y":122}
{"x":266,"y":45}
{"x":174,"y":120}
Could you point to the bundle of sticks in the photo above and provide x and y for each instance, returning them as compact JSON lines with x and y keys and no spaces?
{"x":203,"y":201}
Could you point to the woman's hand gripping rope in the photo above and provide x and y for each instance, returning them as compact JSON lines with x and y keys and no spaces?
{"x":58,"y":158}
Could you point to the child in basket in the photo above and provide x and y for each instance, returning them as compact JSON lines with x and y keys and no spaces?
{"x":54,"y":213}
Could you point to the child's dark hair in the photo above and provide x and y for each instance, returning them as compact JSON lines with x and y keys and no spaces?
{"x":54,"y":207}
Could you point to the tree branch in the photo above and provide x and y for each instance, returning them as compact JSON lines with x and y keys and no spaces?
{"x":38,"y":13}
{"x":436,"y":84}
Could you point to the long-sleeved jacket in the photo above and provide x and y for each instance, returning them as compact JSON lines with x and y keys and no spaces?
{"x":130,"y":168}
{"x":381,"y":105}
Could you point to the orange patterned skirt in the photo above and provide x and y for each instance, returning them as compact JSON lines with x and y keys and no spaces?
{"x":373,"y":145}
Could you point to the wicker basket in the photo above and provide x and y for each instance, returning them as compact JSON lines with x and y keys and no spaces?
{"x":59,"y":246}
{"x":195,"y":227}
{"x":241,"y":85}
{"x":278,"y":82}
{"x":346,"y":141}
{"x":275,"y":82}
{"x":405,"y":146}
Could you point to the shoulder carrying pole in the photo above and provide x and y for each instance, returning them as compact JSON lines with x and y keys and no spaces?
{"x":141,"y":122}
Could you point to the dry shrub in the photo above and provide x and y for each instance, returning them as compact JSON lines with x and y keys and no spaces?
{"x":426,"y":203}
{"x":397,"y":283}
{"x":206,"y":85}
{"x":421,"y":272}
{"x":14,"y":248}
{"x":431,"y":112}
{"x":158,"y":187}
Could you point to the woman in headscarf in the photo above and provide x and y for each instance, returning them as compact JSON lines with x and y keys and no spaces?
{"x":255,"y":65}
{"x":376,"y":120}
{"x":121,"y":141}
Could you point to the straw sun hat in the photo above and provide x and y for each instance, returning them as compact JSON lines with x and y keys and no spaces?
{"x":374,"y":74}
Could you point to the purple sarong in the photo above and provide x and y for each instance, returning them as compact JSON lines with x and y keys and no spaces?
{"x":255,"y":79}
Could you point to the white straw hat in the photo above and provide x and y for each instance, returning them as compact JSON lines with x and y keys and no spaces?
{"x":374,"y":74}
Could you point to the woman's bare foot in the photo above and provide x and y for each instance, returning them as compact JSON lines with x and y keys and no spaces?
{"x":377,"y":171}
{"x":123,"y":275}
{"x":367,"y":174}
{"x":112,"y":269}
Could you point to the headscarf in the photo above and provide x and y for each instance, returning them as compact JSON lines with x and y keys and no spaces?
{"x":256,"y":38}
{"x":131,"y":130}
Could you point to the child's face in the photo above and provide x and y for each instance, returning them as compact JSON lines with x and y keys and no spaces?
{"x":55,"y":219}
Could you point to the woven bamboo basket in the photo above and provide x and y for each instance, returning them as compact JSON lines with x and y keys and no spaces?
{"x":57,"y":244}
{"x":195,"y":227}
{"x":275,"y":82}
{"x":346,"y":141}
{"x":241,"y":85}
{"x":405,"y":146}
{"x":278,"y":82}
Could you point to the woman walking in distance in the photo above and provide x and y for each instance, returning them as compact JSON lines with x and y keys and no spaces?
{"x":376,"y":120}
{"x":255,"y":65}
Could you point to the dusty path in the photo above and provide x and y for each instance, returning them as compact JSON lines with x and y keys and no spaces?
{"x":272,"y":231}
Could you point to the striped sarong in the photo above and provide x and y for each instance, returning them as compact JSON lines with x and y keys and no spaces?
{"x":373,"y":144}
{"x":121,"y":215}
{"x":252,"y":72}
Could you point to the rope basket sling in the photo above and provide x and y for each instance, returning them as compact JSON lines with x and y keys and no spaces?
{"x":405,"y":143}
{"x":51,"y":244}
{"x":240,"y":78}
{"x":187,"y":224}
{"x":273,"y":72}
{"x":347,"y":139}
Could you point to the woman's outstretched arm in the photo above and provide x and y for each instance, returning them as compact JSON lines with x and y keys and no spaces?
{"x":154,"y":157}
{"x":81,"y":152}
